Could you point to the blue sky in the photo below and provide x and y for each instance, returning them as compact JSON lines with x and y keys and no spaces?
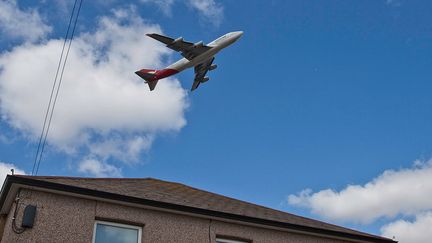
{"x":316,"y":95}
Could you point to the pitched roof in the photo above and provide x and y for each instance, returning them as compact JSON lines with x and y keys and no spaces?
{"x":170,"y":195}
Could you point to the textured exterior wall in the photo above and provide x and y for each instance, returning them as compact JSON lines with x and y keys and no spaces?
{"x":67,"y":219}
{"x":58,"y":219}
{"x":260,"y":235}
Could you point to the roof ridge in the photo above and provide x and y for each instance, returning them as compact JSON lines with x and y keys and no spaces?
{"x":164,"y":181}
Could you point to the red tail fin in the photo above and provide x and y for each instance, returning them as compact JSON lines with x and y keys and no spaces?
{"x":149,"y":75}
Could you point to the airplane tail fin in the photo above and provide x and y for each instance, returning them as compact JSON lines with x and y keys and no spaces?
{"x":149,"y":75}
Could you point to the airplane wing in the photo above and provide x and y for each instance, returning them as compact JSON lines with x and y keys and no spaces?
{"x":200,"y":72}
{"x":188,"y":50}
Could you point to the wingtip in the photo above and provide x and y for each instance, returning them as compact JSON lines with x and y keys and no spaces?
{"x":151,"y":35}
{"x":194,"y":87}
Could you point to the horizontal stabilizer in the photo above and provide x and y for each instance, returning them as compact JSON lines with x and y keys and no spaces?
{"x":152,"y":84}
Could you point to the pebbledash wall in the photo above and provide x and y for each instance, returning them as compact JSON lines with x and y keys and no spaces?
{"x":63,"y":218}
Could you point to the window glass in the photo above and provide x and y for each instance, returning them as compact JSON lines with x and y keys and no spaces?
{"x":116,"y":233}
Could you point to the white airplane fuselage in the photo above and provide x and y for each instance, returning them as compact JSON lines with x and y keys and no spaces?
{"x":217,"y":45}
{"x":184,"y":63}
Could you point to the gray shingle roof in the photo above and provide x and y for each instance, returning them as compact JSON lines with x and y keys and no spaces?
{"x":186,"y":196}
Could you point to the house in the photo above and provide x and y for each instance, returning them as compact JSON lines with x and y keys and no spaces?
{"x":71,"y":209}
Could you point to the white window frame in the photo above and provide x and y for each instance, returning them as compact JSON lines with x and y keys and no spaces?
{"x":127,"y":226}
{"x":221,"y":240}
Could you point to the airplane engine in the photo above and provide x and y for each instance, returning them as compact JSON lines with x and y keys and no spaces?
{"x":198,"y":44}
{"x":205,"y":79}
{"x":212,"y":67}
{"x":180,"y":39}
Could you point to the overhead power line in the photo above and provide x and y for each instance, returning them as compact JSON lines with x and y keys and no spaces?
{"x":56,"y":86}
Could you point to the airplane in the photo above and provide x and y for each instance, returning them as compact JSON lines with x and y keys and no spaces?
{"x":195,"y":55}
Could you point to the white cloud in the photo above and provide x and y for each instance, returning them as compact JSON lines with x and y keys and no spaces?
{"x":5,"y":169}
{"x":164,"y":5}
{"x":127,"y":150}
{"x":209,"y":9}
{"x":103,"y":106}
{"x":16,"y":23}
{"x":404,"y":231}
{"x":98,"y":168}
{"x":393,"y":193}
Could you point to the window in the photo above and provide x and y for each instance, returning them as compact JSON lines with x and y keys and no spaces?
{"x":116,"y":233}
{"x":220,"y":240}
{"x":220,"y":38}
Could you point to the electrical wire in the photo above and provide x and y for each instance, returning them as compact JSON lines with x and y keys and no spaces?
{"x":58,"y":89}
{"x":52,"y":102}
{"x":52,"y":89}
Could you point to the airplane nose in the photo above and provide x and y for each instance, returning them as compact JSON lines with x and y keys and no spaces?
{"x":238,"y":34}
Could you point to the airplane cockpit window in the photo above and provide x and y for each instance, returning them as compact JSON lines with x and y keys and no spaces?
{"x":220,"y":38}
